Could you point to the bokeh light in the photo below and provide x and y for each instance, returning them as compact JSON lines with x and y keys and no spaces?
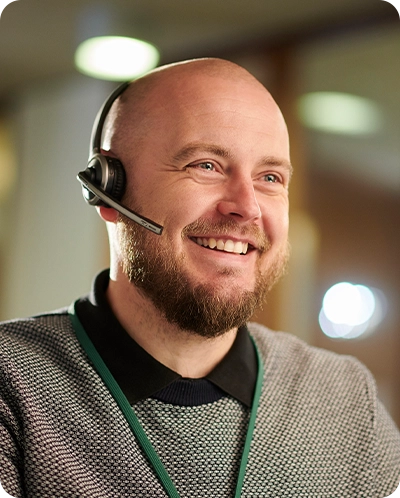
{"x":342,"y":113}
{"x":351,"y":310}
{"x":116,"y":58}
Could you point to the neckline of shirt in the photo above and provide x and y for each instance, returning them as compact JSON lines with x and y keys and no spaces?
{"x":141,"y":376}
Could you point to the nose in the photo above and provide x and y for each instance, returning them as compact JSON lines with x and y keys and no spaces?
{"x":239,"y":200}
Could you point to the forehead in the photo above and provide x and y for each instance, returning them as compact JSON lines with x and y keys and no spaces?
{"x":203,"y":92}
{"x":231,"y":112}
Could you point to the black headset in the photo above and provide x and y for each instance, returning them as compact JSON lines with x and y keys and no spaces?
{"x":104,"y":180}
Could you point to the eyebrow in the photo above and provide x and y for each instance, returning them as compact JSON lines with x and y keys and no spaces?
{"x":187,"y":152}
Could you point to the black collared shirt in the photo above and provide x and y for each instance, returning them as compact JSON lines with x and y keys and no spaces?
{"x":141,"y":376}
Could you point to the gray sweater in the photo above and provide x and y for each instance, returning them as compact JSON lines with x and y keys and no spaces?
{"x":320,"y":430}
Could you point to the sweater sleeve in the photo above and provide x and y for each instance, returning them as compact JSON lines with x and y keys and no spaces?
{"x":11,"y":463}
{"x":387,"y":453}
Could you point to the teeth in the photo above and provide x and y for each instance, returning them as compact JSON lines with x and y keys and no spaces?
{"x":238,"y":247}
{"x":227,"y":246}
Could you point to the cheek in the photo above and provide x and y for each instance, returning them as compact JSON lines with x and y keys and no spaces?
{"x":275,"y":217}
{"x":186,"y":206}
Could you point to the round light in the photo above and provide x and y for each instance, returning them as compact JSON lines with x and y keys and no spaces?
{"x":348,"y":304}
{"x":335,"y":112}
{"x":350,"y":310}
{"x":115,"y":58}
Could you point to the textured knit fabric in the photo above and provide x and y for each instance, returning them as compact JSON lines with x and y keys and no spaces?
{"x":206,"y":441}
{"x":320,"y":430}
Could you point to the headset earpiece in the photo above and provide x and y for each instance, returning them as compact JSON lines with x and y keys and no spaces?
{"x":108,"y":174}
{"x":104,"y":172}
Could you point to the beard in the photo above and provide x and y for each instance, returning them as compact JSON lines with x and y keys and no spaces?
{"x":203,"y":309}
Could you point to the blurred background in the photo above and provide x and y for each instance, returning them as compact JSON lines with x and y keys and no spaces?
{"x":333,"y":67}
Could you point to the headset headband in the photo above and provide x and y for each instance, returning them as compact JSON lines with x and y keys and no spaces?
{"x":97,"y":130}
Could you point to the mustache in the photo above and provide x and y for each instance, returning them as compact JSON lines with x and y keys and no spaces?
{"x":228,"y":227}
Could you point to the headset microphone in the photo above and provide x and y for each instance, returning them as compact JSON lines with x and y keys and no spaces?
{"x":103,"y":181}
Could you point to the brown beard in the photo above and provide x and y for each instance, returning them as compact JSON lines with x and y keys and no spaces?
{"x":203,"y":309}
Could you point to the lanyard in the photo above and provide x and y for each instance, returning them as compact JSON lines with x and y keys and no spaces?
{"x":134,"y":423}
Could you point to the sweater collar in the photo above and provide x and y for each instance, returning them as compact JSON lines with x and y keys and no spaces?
{"x":141,"y":376}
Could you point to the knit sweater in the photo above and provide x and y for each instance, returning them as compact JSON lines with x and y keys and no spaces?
{"x":320,"y":430}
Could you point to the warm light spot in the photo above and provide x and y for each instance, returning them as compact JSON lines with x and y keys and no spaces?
{"x":115,"y":58}
{"x":8,"y":163}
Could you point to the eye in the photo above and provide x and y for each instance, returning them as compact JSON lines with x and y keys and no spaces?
{"x":271,"y":178}
{"x":205,"y":171}
{"x":206,"y":165}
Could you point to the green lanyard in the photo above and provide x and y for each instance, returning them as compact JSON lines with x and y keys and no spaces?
{"x":134,"y":423}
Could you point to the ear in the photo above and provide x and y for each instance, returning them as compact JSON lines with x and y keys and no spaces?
{"x":107,"y":214}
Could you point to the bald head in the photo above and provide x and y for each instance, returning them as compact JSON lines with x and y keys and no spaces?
{"x":176,"y":75}
{"x":208,"y":66}
{"x":168,"y":87}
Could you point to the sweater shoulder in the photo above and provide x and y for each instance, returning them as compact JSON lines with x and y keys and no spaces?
{"x":44,"y":334}
{"x":32,"y":325}
{"x":285,"y":355}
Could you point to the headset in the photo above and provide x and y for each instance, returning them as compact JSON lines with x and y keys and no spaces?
{"x":104,"y":180}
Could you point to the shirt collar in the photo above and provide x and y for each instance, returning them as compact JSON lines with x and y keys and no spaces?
{"x":138,"y":374}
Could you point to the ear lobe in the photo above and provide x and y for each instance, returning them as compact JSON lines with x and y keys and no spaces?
{"x":107,"y":214}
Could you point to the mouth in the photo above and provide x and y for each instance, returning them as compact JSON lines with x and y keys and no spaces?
{"x":230,"y":246}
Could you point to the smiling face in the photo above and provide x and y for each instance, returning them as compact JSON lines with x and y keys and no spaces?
{"x":210,"y":162}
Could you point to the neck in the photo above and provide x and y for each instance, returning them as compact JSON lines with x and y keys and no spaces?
{"x":184,"y":352}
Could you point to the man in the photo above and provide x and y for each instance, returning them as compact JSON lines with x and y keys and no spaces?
{"x":153,"y":385}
